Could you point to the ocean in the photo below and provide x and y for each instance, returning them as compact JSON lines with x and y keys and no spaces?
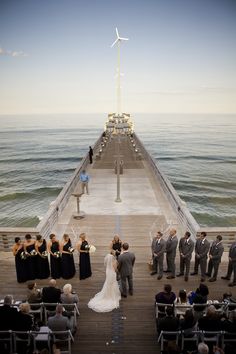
{"x":40,"y":152}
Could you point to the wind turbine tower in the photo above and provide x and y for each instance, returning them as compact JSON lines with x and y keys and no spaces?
{"x":118,"y":42}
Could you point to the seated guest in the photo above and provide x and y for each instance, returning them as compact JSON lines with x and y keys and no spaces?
{"x":33,"y":294}
{"x":202,"y":349}
{"x":8,"y":314}
{"x":188,"y":323}
{"x":211,"y":321}
{"x":51,"y":294}
{"x":200,"y":296}
{"x":167,"y":296}
{"x":59,"y":322}
{"x":168,"y":323}
{"x":229,"y":325}
{"x":183,"y":301}
{"x":24,"y":321}
{"x":67,"y":297}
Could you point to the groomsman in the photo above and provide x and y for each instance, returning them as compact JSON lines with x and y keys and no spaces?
{"x":186,"y":246}
{"x":171,"y":245}
{"x":158,"y":249}
{"x":201,"y":250}
{"x":231,"y":265}
{"x":215,"y":254}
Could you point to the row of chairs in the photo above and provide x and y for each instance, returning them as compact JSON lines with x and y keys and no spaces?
{"x":181,"y":338}
{"x":12,"y":342}
{"x":179,"y":309}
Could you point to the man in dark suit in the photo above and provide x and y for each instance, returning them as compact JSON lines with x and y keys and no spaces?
{"x":51,"y":294}
{"x":125,"y":267}
{"x":171,"y":245}
{"x":201,"y":250}
{"x":215,"y":254}
{"x":231,"y":265}
{"x":168,"y":323}
{"x":8,"y":314}
{"x":186,"y":246}
{"x":158,"y":250}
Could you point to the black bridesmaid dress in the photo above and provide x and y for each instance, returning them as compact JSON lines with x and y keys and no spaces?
{"x":84,"y":262}
{"x":30,"y":263}
{"x":55,"y":262}
{"x":21,"y":274}
{"x":42,"y":270}
{"x":67,"y":262}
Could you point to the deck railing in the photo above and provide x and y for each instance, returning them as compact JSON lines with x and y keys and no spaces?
{"x":179,"y":207}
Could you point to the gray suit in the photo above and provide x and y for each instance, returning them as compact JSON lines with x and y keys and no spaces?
{"x":125,"y":266}
{"x":201,"y":251}
{"x":58,"y":323}
{"x":216,"y":252}
{"x":232,"y":262}
{"x":185,"y":249}
{"x":171,"y":245}
{"x":158,"y":247}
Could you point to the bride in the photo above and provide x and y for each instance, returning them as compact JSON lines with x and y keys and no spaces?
{"x":108,"y":298}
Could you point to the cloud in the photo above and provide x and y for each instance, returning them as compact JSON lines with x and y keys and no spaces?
{"x":191,"y":91}
{"x":11,"y":53}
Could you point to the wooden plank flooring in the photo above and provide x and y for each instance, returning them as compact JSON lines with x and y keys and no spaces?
{"x":131,"y":328}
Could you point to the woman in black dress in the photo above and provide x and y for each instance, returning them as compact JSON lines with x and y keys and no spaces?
{"x":84,"y":257}
{"x":115,"y":246}
{"x":42,"y":264}
{"x":67,"y":258}
{"x":30,"y":261}
{"x":55,"y":257}
{"x":19,"y":262}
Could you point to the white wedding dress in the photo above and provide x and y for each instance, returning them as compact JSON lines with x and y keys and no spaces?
{"x":108,"y":298}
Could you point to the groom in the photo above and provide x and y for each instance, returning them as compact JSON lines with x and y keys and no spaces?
{"x":125,"y":267}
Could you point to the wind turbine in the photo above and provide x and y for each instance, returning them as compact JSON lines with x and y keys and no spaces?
{"x":118,"y":41}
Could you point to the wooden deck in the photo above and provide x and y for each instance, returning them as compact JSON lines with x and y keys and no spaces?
{"x":144,"y":210}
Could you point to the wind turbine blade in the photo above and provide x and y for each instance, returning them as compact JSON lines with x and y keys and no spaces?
{"x":114,"y":42}
{"x":123,"y":39}
{"x":117,"y":33}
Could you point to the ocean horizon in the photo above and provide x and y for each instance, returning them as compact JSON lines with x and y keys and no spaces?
{"x":39,"y":153}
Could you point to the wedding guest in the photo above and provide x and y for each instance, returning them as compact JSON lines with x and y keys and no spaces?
{"x":215,"y":254}
{"x":171,"y":246}
{"x":115,"y":246}
{"x":8,"y":314}
{"x":19,"y":262}
{"x":168,"y":323}
{"x":84,"y":257}
{"x":201,"y":250}
{"x":183,"y":301}
{"x":24,"y":321}
{"x":67,"y":297}
{"x":188,"y":322}
{"x":67,"y":259}
{"x":186,"y":246}
{"x":42,"y":264}
{"x":51,"y":294}
{"x":167,"y":296}
{"x":199,"y":299}
{"x":158,"y":249}
{"x":59,"y":322}
{"x":55,"y":256}
{"x":33,"y":294}
{"x":30,"y":261}
{"x":211,"y":321}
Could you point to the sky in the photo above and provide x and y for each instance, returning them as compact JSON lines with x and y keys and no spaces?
{"x":56,"y":56}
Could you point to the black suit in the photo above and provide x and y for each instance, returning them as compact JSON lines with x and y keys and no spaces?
{"x":168,"y":323}
{"x":8,"y":315}
{"x":51,"y":295}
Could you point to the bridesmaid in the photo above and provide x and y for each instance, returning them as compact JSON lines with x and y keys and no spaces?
{"x":30,"y":262}
{"x":55,"y":257}
{"x":19,"y":262}
{"x":84,"y":257}
{"x":42,"y":264}
{"x":67,"y":258}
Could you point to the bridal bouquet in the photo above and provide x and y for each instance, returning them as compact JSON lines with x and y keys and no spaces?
{"x":33,"y":253}
{"x":57,"y":254}
{"x":90,"y":248}
{"x":24,"y":255}
{"x":71,"y":249}
{"x":45,"y":254}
